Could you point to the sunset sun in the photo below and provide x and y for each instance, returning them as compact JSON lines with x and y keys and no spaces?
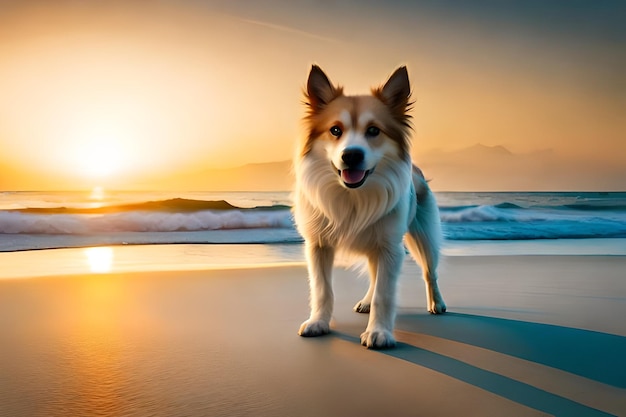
{"x":101,"y":159}
{"x":100,"y":155}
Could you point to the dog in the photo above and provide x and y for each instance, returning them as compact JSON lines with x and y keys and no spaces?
{"x":358,"y":192}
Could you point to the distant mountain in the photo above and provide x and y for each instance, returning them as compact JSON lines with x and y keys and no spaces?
{"x":475,"y":168}
{"x":484,"y":150}
{"x":495,"y":168}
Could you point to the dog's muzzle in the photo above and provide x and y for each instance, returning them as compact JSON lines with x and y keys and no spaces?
{"x":353,"y":176}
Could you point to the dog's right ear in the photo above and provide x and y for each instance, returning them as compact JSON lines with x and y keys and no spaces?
{"x":319,"y":90}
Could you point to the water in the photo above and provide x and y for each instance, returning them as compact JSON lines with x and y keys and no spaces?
{"x":525,"y":216}
{"x":472,"y":222}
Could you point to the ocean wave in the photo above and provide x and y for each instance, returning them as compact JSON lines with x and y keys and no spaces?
{"x":507,"y":205}
{"x":557,"y":229}
{"x":600,"y":206}
{"x":15,"y":222}
{"x":517,"y":218}
{"x":509,"y":221}
{"x":481,"y":214}
{"x":173,"y":205}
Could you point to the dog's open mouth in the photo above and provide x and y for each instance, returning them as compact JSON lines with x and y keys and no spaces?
{"x":353,"y":178}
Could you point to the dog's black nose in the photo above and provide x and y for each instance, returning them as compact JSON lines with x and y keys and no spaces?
{"x":352,"y":157}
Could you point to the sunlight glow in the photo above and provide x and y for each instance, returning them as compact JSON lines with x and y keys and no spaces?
{"x":100,"y":259}
{"x":134,"y":96}
{"x":97,"y":193}
{"x":100,"y":157}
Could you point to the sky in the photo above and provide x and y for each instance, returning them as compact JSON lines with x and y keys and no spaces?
{"x":123,"y":94}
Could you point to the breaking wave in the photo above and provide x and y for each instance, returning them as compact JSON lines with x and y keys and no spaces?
{"x":176,"y":220}
{"x":507,"y":221}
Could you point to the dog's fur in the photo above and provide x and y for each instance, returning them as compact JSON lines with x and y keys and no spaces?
{"x":358,"y":192}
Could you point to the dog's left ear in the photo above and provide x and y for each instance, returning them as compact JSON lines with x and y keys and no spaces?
{"x":396,"y":91}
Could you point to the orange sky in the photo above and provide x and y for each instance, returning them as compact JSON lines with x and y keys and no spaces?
{"x":120,"y":93}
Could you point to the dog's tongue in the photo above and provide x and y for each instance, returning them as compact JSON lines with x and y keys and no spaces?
{"x":352,"y":176}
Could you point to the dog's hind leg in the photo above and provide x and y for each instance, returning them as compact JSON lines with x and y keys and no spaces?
{"x":320,"y":260}
{"x":363,"y":306}
{"x":424,"y":240}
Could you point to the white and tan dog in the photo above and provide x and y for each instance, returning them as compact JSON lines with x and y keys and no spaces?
{"x":358,"y":192}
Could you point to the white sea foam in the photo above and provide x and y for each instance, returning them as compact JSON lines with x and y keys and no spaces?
{"x":137,"y":221}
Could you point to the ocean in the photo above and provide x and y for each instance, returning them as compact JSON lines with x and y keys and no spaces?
{"x":473,"y":222}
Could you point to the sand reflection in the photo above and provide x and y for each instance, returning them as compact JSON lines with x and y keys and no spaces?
{"x":100,"y":259}
{"x":97,"y":371}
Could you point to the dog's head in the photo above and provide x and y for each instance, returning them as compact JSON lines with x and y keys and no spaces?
{"x":357,"y":132}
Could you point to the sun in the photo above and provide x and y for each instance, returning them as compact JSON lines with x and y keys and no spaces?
{"x":102,"y":160}
{"x":100,"y":155}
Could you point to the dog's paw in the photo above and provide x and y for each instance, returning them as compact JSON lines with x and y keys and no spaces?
{"x":314,"y":328}
{"x":437,"y":307}
{"x":378,"y":339}
{"x":362,"y":307}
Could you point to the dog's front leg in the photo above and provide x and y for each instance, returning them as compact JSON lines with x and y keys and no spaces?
{"x":379,"y":331}
{"x":320,"y":261}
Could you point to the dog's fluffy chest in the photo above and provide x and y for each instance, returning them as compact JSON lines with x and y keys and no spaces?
{"x":354,"y":219}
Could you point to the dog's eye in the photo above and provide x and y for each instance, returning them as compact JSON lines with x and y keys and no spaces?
{"x":372,"y":131}
{"x":336,"y":131}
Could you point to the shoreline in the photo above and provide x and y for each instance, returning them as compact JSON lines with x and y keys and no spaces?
{"x":586,"y":246}
{"x":200,"y":256}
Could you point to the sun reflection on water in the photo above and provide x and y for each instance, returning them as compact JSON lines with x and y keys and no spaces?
{"x":97,"y":193}
{"x":100,"y":259}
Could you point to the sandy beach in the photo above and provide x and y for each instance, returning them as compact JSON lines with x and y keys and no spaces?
{"x":524,"y":336}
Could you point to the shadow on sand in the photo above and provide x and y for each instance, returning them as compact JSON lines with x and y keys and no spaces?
{"x":593,"y":355}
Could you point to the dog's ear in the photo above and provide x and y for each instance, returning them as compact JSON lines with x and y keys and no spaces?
{"x":319,"y":90}
{"x":396,"y":91}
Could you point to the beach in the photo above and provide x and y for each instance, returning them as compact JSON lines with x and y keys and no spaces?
{"x":156,"y":159}
{"x":523,"y":336}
